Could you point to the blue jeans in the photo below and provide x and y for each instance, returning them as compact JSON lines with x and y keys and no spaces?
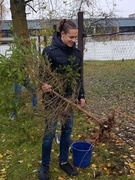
{"x":66,"y":131}
{"x":18,"y":90}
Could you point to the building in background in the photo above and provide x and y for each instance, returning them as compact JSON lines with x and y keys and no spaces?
{"x":107,"y":39}
{"x":132,"y":15}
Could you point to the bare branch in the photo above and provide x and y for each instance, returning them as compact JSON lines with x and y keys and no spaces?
{"x":28,"y":1}
{"x":32,"y":8}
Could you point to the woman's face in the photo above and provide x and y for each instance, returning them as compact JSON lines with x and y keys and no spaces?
{"x":69,"y":38}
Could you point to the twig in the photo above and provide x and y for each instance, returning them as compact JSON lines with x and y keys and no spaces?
{"x":124,"y":140}
{"x":131,"y":118}
{"x":32,"y":8}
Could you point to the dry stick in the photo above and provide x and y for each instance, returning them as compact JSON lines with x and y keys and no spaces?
{"x":90,"y":115}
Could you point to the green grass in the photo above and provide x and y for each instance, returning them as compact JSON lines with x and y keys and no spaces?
{"x":108,"y":84}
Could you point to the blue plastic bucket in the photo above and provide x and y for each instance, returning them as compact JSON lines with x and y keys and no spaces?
{"x":81,"y":152}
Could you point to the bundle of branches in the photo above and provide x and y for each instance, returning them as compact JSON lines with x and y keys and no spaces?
{"x":64,"y":82}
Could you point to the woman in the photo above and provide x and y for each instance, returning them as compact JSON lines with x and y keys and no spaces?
{"x":59,"y":54}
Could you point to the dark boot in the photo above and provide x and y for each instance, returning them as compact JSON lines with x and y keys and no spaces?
{"x":43,"y":172}
{"x":68,"y":169}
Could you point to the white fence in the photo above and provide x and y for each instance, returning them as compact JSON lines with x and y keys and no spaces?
{"x":109,"y":50}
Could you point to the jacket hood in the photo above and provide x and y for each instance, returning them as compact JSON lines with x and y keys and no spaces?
{"x":56,"y":41}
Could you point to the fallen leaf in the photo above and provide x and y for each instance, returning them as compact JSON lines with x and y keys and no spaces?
{"x":79,"y":136}
{"x":103,"y":144}
{"x":8,"y":152}
{"x":131,"y":165}
{"x":105,"y":169}
{"x":29,"y":165}
{"x":132,"y":171}
{"x":21,"y":161}
{"x":70,"y":157}
{"x":3,"y":177}
{"x":112,"y":152}
{"x":120,"y":172}
{"x":56,"y":170}
{"x":119,"y":141}
{"x":1,"y":156}
{"x":93,"y":165}
{"x":107,"y":172}
{"x":61,"y":178}
{"x":34,"y":170}
{"x":109,"y":164}
{"x":126,"y":163}
{"x":125,"y":157}
{"x":3,"y":170}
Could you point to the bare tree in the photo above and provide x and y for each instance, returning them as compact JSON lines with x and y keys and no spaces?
{"x":50,"y":9}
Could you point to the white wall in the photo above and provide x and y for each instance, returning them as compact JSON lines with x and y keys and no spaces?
{"x":4,"y":48}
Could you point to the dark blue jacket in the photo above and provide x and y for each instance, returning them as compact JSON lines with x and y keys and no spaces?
{"x":60,"y":55}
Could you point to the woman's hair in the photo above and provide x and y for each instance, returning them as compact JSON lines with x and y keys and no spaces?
{"x":65,"y":25}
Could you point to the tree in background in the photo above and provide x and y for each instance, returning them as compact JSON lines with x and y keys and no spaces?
{"x":18,"y":11}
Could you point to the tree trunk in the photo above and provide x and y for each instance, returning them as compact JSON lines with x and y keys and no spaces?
{"x":20,"y":27}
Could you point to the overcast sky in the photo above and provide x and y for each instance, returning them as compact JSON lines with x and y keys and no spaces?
{"x":121,"y":8}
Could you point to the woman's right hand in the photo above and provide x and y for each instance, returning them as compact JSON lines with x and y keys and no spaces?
{"x":46,"y":87}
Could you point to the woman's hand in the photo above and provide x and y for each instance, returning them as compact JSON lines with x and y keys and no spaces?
{"x":46,"y":87}
{"x":82,"y":103}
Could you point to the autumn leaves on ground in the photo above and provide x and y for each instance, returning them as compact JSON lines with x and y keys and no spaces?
{"x":109,"y":85}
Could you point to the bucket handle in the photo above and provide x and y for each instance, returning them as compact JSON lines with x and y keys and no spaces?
{"x":71,"y":149}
